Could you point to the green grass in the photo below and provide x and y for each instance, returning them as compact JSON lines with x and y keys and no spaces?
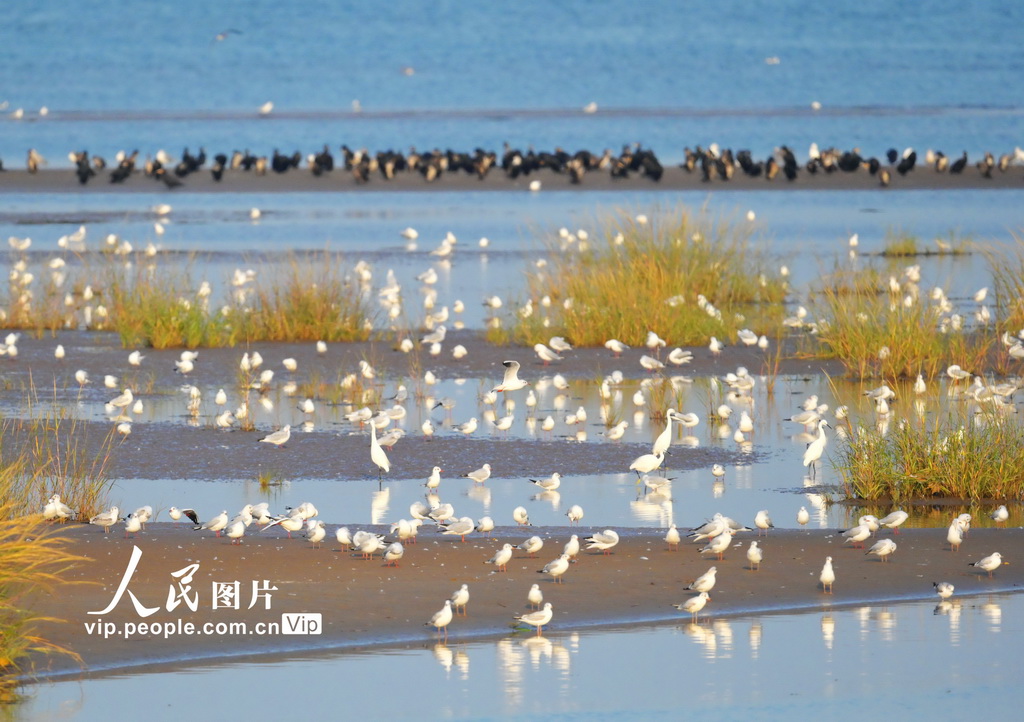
{"x":957,"y":457}
{"x":629,"y":278}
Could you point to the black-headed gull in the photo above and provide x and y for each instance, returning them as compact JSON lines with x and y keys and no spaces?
{"x":442,"y":619}
{"x":827,"y":576}
{"x":537,"y":619}
{"x":990,"y":563}
{"x":461,"y":598}
{"x":754,"y":556}
{"x":532,"y":545}
{"x":278,"y":438}
{"x":106,"y":519}
{"x":694,"y":605}
{"x":603,"y":540}
{"x":511,"y":381}
{"x":501,"y":558}
{"x":557,"y":567}
{"x":882,"y":548}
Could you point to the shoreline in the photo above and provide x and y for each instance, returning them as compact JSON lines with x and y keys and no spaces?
{"x":340,"y":181}
{"x":648,"y":580}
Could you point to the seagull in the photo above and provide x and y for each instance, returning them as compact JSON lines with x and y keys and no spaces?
{"x":990,"y":563}
{"x":718,"y":545}
{"x":549,"y":484}
{"x":535,"y":596}
{"x":615,"y":346}
{"x":828,"y":576}
{"x":485,"y":524}
{"x":802,"y":516}
{"x":604,"y":541}
{"x":461,"y":527}
{"x":883,"y":548}
{"x":315,"y":532}
{"x":763,"y":522}
{"x":857,"y":534}
{"x":704,"y":583}
{"x":368,"y":544}
{"x":955,"y":535}
{"x":442,"y":619}
{"x":943,"y":589}
{"x":278,"y":438}
{"x":694,"y":605}
{"x":894,"y":519}
{"x":532,"y":545}
{"x":176,"y":514}
{"x":132,"y":525}
{"x":657,"y":484}
{"x":480,"y":475}
{"x":467,"y":428}
{"x":717,"y":470}
{"x":56,"y":509}
{"x":235,"y":530}
{"x":672,"y":537}
{"x":122,"y":401}
{"x":377,"y":455}
{"x":559,"y":344}
{"x":520,"y":516}
{"x":545,"y":354}
{"x":106,"y":519}
{"x":557,"y":567}
{"x":537,"y":619}
{"x":434,"y":480}
{"x":1000,"y":515}
{"x":288,"y":523}
{"x":217,"y":523}
{"x":394,"y":552}
{"x":575,"y":513}
{"x":754,"y":556}
{"x":511,"y":382}
{"x":461,"y":598}
{"x":501,"y":558}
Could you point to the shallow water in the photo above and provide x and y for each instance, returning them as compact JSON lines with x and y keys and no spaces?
{"x":918,"y":658}
{"x":805,"y":230}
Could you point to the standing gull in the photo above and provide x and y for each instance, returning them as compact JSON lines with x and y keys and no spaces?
{"x":990,"y":563}
{"x":694,"y":605}
{"x":754,"y":556}
{"x":828,"y":576}
{"x":604,"y":541}
{"x":442,"y":619}
{"x":278,"y":438}
{"x":537,"y":619}
{"x":461,"y":598}
{"x":501,"y":558}
{"x":882,"y":548}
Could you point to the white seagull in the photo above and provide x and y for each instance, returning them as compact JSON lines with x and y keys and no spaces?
{"x":990,"y":563}
{"x":828,"y":576}
{"x":694,"y":605}
{"x":882,"y":548}
{"x":106,"y":519}
{"x":511,"y":382}
{"x":442,"y":619}
{"x":501,"y":558}
{"x":603,"y":540}
{"x":278,"y":438}
{"x":537,"y":619}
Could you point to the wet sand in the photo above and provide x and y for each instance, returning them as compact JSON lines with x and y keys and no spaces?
{"x":339,"y":181}
{"x":364,"y":603}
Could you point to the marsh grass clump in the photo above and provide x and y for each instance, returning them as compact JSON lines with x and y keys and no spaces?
{"x":682,"y":274}
{"x":893,"y":329}
{"x":905,"y":245}
{"x":958,"y":456}
{"x":310,"y":300}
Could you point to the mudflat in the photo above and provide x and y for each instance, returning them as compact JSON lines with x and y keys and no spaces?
{"x":364,"y":602}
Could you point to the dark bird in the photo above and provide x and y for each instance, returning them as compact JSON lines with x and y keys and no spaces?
{"x":169,"y":180}
{"x":959,"y":164}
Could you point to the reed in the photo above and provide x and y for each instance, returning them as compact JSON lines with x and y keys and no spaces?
{"x":682,"y":274}
{"x":955,"y":456}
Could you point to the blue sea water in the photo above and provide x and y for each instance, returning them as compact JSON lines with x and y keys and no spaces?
{"x":448,"y":74}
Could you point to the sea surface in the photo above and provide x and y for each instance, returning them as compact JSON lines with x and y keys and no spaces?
{"x":152,"y":75}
